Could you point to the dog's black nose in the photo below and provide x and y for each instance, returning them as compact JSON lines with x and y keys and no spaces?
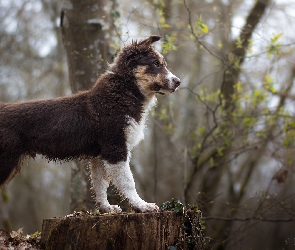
{"x":176,"y":81}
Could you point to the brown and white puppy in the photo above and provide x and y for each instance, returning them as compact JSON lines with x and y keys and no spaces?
{"x":103,"y":123}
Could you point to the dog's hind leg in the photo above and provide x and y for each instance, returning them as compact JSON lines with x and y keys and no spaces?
{"x":10,"y":165}
{"x":100,"y":184}
{"x":121,"y":177}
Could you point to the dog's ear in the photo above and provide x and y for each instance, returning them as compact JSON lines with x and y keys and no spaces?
{"x":138,"y":48}
{"x":147,"y":42}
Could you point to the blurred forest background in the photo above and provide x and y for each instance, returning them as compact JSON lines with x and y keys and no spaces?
{"x":225,"y":141}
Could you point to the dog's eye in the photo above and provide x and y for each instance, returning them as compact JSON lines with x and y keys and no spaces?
{"x":157,"y":63}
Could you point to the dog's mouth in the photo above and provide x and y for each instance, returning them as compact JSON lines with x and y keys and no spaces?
{"x":167,"y":88}
{"x":166,"y":91}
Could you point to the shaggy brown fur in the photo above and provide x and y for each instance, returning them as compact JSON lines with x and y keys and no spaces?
{"x":87,"y":124}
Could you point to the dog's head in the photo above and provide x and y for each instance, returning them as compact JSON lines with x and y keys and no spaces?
{"x":147,"y":66}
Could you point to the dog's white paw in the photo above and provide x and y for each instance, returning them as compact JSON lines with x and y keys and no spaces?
{"x":110,"y":209}
{"x":145,"y":207}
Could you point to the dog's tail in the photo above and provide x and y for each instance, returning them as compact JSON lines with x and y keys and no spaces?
{"x":10,"y":154}
{"x":9,"y":167}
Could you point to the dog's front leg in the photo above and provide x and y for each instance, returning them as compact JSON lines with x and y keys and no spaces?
{"x":100,"y":184}
{"x":122,"y":178}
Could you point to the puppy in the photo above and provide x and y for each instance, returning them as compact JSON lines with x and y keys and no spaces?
{"x":103,"y":123}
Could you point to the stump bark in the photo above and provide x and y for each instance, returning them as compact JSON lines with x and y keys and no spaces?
{"x":162,"y":230}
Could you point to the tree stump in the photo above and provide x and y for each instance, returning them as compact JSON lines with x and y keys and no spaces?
{"x":161,"y":230}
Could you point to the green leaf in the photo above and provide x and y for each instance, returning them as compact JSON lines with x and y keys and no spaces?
{"x":212,"y":162}
{"x":202,"y":26}
{"x":201,"y":130}
{"x":275,"y":38}
{"x":220,"y":151}
{"x":170,"y":39}
{"x":173,"y":205}
{"x":5,"y":196}
{"x":166,"y":25}
{"x":168,"y":44}
{"x":274,"y":47}
{"x":239,"y":43}
{"x":268,"y":84}
{"x":116,"y":14}
{"x":238,"y":87}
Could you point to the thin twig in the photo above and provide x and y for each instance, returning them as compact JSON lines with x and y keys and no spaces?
{"x":197,"y":38}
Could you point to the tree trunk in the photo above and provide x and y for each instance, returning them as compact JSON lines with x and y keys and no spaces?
{"x":124,"y":231}
{"x":87,"y":33}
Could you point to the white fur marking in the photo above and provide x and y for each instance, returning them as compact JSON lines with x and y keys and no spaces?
{"x":121,"y":176}
{"x":134,"y":132}
{"x":170,"y":78}
{"x":100,"y":184}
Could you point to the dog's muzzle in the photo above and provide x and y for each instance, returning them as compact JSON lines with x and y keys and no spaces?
{"x":175,"y":83}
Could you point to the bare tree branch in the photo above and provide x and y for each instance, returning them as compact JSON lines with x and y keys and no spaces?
{"x":238,"y":53}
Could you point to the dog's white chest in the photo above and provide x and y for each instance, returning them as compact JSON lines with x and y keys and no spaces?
{"x":134,"y":131}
